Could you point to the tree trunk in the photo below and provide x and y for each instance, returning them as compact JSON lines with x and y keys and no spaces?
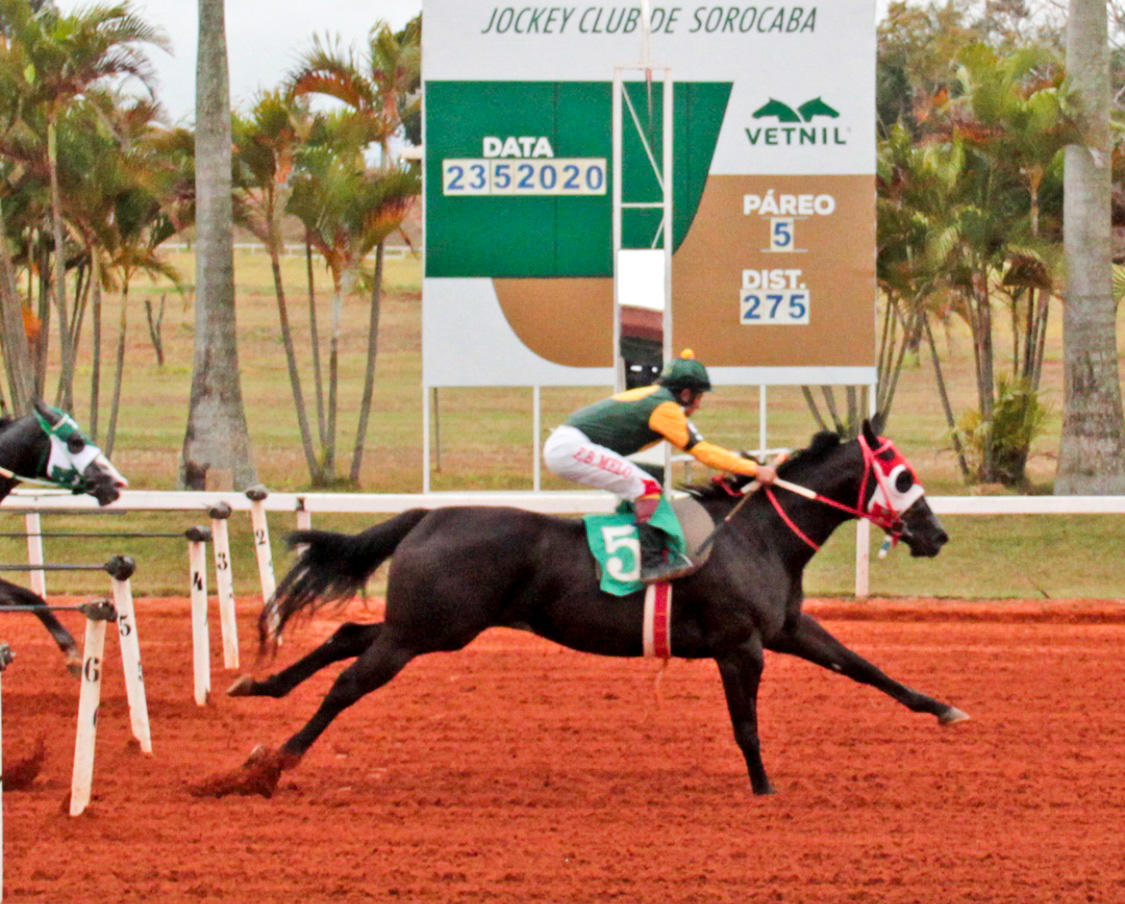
{"x":341,"y":284}
{"x":315,"y":473}
{"x":216,"y":436}
{"x":96,"y":359}
{"x":119,"y":369}
{"x":943,"y":394}
{"x":369,"y":365}
{"x":13,"y":338}
{"x":66,"y":382}
{"x":314,"y":345}
{"x":1092,"y":448}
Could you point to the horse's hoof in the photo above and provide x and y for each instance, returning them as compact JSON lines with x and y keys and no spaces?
{"x":242,"y":687}
{"x":258,"y":775}
{"x":764,"y":792}
{"x":952,"y":716}
{"x":74,"y":666}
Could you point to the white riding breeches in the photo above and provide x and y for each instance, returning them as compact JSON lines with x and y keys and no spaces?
{"x":569,"y":453}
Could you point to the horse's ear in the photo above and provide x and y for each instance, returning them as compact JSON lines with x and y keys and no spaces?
{"x":878,"y":422}
{"x":871,"y":431}
{"x":46,"y":412}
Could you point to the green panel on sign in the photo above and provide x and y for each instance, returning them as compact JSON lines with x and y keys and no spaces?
{"x":536,"y":202}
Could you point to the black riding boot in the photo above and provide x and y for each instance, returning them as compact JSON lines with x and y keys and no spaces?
{"x":655,"y":567}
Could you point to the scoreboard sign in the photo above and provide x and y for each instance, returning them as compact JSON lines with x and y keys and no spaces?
{"x":773,"y":150}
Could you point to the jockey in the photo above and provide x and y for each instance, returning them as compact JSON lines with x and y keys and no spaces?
{"x":590,"y":448}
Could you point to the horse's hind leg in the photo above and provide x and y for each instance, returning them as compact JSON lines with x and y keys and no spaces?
{"x":15,"y":595}
{"x":349,"y":641}
{"x":384,"y":659}
{"x":741,"y":672}
{"x":806,"y":638}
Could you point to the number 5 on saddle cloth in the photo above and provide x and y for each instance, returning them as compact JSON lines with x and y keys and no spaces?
{"x":614,"y":544}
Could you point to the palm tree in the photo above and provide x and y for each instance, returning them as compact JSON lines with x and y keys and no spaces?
{"x":380,"y":87}
{"x":347,"y":210}
{"x":67,"y":55}
{"x":13,"y":337}
{"x":265,"y":146}
{"x":1092,"y":448}
{"x":216,"y":435}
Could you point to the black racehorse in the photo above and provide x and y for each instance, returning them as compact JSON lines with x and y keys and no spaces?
{"x":457,"y":571}
{"x":47,"y":447}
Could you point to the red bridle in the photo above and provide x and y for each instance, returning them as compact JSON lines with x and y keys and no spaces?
{"x":884,"y":513}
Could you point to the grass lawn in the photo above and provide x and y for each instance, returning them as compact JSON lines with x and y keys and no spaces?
{"x":487,"y":443}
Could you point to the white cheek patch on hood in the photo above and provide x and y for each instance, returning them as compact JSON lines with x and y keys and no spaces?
{"x":66,"y":468}
{"x":888,"y":500}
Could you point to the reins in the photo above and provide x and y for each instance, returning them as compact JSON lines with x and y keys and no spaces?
{"x":12,"y":475}
{"x":891,"y":522}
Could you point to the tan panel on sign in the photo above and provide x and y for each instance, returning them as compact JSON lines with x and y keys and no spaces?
{"x":566,"y":321}
{"x":836,"y":264}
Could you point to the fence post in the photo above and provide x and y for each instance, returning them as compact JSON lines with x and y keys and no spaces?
{"x":121,"y":569}
{"x":862,"y":559}
{"x":33,"y":525}
{"x":89,"y":699}
{"x":224,"y":581}
{"x":200,"y":635}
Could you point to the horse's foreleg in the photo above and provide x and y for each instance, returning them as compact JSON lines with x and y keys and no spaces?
{"x":741,"y":671}
{"x":349,"y":641}
{"x":15,"y":595}
{"x":806,"y":638}
{"x":384,"y":659}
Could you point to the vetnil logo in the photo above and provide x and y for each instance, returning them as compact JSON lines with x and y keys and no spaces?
{"x":802,"y":126}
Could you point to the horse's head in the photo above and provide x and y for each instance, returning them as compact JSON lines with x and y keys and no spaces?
{"x":72,"y":461}
{"x":894,"y":499}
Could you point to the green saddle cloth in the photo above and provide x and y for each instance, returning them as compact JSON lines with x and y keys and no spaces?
{"x":614,"y":544}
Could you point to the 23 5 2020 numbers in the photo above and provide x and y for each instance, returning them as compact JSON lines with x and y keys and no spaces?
{"x":519,"y":177}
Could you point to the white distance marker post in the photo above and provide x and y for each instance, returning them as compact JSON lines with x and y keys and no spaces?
{"x":200,"y":635}
{"x":121,"y":569}
{"x":257,"y":496}
{"x":224,"y":581}
{"x":89,"y":699}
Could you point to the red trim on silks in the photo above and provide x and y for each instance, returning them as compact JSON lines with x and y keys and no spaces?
{"x":656,"y":631}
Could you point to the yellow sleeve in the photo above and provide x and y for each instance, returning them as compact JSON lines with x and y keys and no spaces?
{"x":670,"y":422}
{"x":723,"y":459}
{"x":668,"y":419}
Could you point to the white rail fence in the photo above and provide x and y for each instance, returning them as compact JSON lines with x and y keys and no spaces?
{"x":260,"y":503}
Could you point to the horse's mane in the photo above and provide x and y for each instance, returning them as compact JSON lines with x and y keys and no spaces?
{"x":6,"y":421}
{"x":721,"y":488}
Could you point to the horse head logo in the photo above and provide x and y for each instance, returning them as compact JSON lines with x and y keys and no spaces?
{"x":804,"y":113}
{"x":782,"y":111}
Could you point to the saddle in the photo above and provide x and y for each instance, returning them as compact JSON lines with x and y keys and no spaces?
{"x":616,"y":550}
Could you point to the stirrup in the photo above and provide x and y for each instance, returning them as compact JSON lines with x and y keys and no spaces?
{"x":676,"y":567}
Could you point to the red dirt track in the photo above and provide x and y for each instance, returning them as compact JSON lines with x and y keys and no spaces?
{"x":515,"y":771}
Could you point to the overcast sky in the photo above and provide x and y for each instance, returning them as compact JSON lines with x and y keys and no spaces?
{"x":264,"y":39}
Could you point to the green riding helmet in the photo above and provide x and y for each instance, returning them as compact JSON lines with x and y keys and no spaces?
{"x":685,"y":373}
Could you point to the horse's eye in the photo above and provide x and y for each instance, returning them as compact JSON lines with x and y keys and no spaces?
{"x":75,"y":444}
{"x":904,"y":481}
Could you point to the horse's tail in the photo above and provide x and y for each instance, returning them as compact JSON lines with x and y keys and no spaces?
{"x":331,"y":567}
